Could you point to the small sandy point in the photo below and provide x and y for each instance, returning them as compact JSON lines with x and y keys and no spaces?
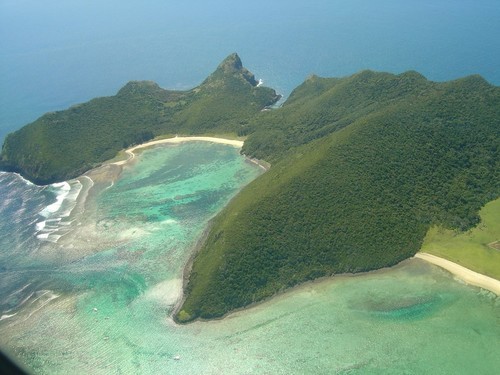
{"x":130,"y":151}
{"x":465,"y":274}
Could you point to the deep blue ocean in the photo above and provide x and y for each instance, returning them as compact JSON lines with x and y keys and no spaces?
{"x":91,"y":269}
{"x":55,"y":53}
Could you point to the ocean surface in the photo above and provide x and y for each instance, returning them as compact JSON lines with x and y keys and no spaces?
{"x":55,"y":53}
{"x":91,"y":268}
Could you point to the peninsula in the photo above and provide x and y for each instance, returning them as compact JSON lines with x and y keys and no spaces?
{"x":63,"y":145}
{"x":362,"y":167}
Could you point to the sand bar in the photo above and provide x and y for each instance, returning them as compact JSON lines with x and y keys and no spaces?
{"x":130,"y":151}
{"x":465,"y":274}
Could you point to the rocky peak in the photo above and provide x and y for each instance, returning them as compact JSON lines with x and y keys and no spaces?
{"x":232,"y":63}
{"x":231,"y":66}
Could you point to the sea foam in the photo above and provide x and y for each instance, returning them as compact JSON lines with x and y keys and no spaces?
{"x":27,"y":182}
{"x":62,"y":191}
{"x":6,"y":316}
{"x":56,"y":213}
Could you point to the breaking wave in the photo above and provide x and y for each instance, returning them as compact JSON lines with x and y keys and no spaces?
{"x":56,"y":214}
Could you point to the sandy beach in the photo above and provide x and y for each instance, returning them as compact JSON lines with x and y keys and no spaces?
{"x":130,"y":151}
{"x":465,"y":274}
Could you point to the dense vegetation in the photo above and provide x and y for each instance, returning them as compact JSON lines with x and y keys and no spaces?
{"x":363,"y":167}
{"x":63,"y":145}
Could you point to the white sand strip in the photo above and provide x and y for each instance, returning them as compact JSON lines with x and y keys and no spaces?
{"x":465,"y":274}
{"x":130,"y":151}
{"x":231,"y":142}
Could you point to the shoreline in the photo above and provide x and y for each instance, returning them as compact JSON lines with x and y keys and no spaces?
{"x":261,"y":163}
{"x":186,"y":272}
{"x":177,"y":140}
{"x":463,"y":273}
{"x":466,"y":275}
{"x":280,"y":293}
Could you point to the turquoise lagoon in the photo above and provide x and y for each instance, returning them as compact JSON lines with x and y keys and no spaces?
{"x":99,"y":298}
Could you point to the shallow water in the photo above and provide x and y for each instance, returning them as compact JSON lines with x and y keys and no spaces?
{"x":98,"y":300}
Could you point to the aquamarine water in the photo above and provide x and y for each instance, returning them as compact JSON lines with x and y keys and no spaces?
{"x":99,"y":299}
{"x":55,"y":53}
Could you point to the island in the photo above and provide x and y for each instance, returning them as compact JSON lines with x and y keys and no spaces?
{"x":362,"y":167}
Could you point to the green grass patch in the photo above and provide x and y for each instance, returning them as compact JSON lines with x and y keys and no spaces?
{"x":474,"y":249}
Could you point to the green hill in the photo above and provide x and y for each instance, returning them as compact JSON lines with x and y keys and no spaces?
{"x":62,"y":145}
{"x":364,"y":166}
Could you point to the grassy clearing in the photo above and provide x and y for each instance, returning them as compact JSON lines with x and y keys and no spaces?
{"x":474,"y":249}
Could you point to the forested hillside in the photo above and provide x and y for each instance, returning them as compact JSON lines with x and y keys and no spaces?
{"x":64,"y":144}
{"x":363,"y":167}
